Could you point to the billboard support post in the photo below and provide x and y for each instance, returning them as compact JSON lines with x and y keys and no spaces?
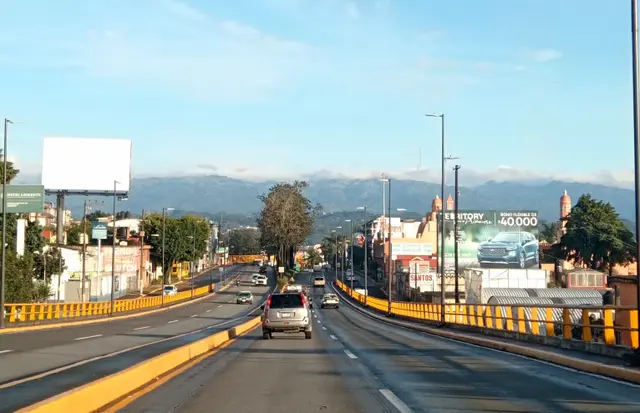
{"x":455,"y":233}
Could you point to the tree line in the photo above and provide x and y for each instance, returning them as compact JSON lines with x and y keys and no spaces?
{"x":286,"y":220}
{"x":28,"y":276}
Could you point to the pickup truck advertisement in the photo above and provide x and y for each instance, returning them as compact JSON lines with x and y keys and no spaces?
{"x":493,"y":239}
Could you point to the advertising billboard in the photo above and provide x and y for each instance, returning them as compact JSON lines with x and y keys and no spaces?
{"x":492,"y":239}
{"x":86,"y":165}
{"x":24,"y":199}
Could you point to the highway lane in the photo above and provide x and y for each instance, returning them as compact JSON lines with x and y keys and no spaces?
{"x":356,"y":364}
{"x":85,"y":354}
{"x":206,"y":278}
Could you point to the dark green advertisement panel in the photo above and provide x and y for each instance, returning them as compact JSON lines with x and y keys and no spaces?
{"x":493,"y":239}
{"x":24,"y":199}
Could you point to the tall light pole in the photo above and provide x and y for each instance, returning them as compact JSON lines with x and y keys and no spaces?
{"x":4,"y":220}
{"x":366,"y":257}
{"x":351,"y":250}
{"x":342,"y":249}
{"x":164,"y":236}
{"x":335,"y":254}
{"x":193,"y":269}
{"x":636,"y":140}
{"x":113,"y":246}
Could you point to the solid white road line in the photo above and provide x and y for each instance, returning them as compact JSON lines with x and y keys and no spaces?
{"x":395,"y":401}
{"x":333,"y":337}
{"x":88,"y":337}
{"x":194,"y":316}
{"x":141,"y":328}
{"x":172,"y":321}
{"x":350,"y":354}
{"x":5,"y":351}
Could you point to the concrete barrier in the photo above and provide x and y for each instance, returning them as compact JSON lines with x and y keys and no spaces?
{"x":103,"y":392}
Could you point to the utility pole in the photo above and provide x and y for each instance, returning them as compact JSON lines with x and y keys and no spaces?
{"x":456,"y":235}
{"x":142,"y":260}
{"x":4,"y":221}
{"x":84,"y":249}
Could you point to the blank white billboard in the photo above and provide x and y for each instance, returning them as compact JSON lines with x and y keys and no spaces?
{"x":86,"y":165}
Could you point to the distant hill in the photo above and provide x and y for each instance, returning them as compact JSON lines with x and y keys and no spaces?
{"x":211,"y":194}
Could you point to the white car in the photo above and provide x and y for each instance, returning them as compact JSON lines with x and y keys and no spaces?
{"x":350,"y":278}
{"x":170,"y":290}
{"x":318,"y":281}
{"x":254,"y":276}
{"x":293,"y":288}
{"x":260,"y":280}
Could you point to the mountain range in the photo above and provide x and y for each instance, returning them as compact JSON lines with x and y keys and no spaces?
{"x":213,"y":194}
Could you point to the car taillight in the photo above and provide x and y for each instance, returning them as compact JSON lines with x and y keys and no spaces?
{"x":268,"y":303}
{"x":304,"y":300}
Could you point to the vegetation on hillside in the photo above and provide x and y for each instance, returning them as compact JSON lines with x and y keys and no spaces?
{"x":286,"y":220}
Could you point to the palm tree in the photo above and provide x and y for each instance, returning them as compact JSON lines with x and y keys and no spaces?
{"x":12,"y":172}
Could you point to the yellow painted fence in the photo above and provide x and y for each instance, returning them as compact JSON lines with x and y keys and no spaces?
{"x":610,"y":325}
{"x":21,"y":314}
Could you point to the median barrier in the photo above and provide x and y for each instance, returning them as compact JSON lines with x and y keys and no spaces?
{"x":24,"y":314}
{"x":103,"y":392}
{"x":592,"y":328}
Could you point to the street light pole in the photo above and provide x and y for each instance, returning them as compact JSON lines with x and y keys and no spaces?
{"x":636,"y":140}
{"x":366,"y":256}
{"x":4,"y":221}
{"x":391,"y":269}
{"x":84,"y":249}
{"x":342,"y":249}
{"x":164,"y":236}
{"x":194,"y":261}
{"x":351,"y":250}
{"x":455,"y":234}
{"x":113,"y":252}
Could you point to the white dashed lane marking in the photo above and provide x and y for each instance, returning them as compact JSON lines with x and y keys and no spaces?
{"x":172,"y":321}
{"x":194,"y":316}
{"x":141,"y":328}
{"x":5,"y":351}
{"x":324,"y":328}
{"x":88,"y":337}
{"x":208,"y":311}
{"x":395,"y":401}
{"x":350,"y":354}
{"x":333,"y":337}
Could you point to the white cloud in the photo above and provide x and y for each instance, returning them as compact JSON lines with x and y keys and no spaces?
{"x":544,"y":55}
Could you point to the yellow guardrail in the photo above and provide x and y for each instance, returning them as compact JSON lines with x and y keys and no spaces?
{"x":610,"y":325}
{"x":33,"y":312}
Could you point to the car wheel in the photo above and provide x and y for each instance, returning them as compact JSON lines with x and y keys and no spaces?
{"x":307,"y":335}
{"x":266,"y":335}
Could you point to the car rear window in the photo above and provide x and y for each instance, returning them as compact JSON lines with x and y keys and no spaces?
{"x":319,"y":279}
{"x":243,"y":295}
{"x":286,"y":301}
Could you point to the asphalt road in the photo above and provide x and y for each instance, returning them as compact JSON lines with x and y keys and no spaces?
{"x":203,"y":279}
{"x":86,"y":353}
{"x":356,"y":364}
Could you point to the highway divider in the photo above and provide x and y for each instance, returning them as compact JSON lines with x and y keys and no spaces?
{"x":25,"y":314}
{"x":592,"y":326}
{"x":103,"y":392}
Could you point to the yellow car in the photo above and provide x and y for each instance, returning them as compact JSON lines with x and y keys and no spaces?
{"x":318,"y":281}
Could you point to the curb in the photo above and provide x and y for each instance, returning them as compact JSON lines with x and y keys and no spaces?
{"x":105,"y":319}
{"x":615,"y":372}
{"x":98,"y":394}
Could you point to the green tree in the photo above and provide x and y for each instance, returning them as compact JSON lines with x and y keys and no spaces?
{"x":34,"y":241}
{"x":74,"y":233}
{"x":286,"y":220}
{"x":12,"y":171}
{"x":548,"y":232}
{"x":313,"y":257}
{"x":47,"y":263}
{"x":244,"y":241}
{"x":93,"y":216}
{"x":596,"y":236}
{"x":179,"y":234}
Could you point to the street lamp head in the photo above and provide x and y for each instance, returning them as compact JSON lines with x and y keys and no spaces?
{"x":154,"y":235}
{"x":339,"y":227}
{"x":362,"y":208}
{"x":435,"y":115}
{"x":401,"y":209}
{"x":347,"y":220}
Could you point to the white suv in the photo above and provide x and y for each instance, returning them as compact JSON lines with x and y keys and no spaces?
{"x":260,"y":280}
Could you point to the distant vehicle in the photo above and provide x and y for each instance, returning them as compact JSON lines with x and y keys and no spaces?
{"x":317,"y":268}
{"x":519,"y":249}
{"x":244,"y":297}
{"x":348,"y":272}
{"x":254,"y":276}
{"x":262,"y":270}
{"x":293,"y":288}
{"x":286,"y":313}
{"x":170,"y":290}
{"x":330,"y":301}
{"x":318,"y":281}
{"x":257,"y":262}
{"x":260,"y":280}
{"x":350,"y":277}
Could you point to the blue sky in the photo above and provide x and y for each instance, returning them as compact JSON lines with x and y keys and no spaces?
{"x":286,"y":88}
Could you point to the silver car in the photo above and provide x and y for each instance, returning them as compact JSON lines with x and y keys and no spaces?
{"x":286,"y":313}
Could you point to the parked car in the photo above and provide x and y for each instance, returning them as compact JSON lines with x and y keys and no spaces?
{"x":519,"y":249}
{"x":286,"y":313}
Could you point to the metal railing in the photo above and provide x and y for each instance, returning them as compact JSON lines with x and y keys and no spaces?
{"x":609,"y":325}
{"x":32,"y":313}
